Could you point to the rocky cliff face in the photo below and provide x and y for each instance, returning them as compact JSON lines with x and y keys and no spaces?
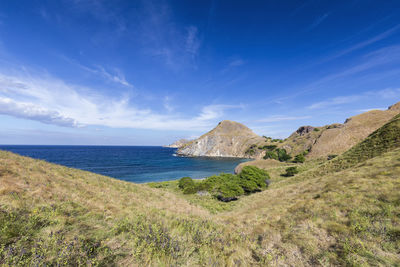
{"x":179,"y":143}
{"x":228,"y":139}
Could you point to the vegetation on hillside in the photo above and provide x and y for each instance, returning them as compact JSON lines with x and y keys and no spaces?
{"x":291,"y":171}
{"x":228,"y":187}
{"x":380,"y":141}
{"x":277,"y":154}
{"x":345,"y":211}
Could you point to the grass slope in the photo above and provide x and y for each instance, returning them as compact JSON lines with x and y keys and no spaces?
{"x":53,"y":215}
{"x":342,"y":212}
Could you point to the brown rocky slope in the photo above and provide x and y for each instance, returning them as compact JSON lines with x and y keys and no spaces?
{"x":228,"y":139}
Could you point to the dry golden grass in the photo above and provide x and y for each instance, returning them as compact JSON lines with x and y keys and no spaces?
{"x":342,"y":212}
{"x":338,"y":140}
{"x":260,"y":163}
{"x":345,"y":218}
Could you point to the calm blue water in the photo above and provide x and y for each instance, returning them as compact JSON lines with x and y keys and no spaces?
{"x":137,"y":164}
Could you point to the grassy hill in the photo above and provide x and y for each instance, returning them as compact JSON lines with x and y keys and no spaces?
{"x":345,"y":211}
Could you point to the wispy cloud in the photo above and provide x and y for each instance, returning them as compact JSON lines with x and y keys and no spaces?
{"x":192,"y":41}
{"x":365,"y":43}
{"x":369,"y":109}
{"x":52,"y":101}
{"x":317,"y":22}
{"x":236,"y":63}
{"x":215,"y":111}
{"x":115,"y":76}
{"x":385,"y":56}
{"x":388,"y":93}
{"x":167,"y":104}
{"x":177,"y":46}
{"x":335,"y":101}
{"x":279,"y":118}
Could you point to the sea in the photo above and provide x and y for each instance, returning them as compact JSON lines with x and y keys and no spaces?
{"x":138,"y":164}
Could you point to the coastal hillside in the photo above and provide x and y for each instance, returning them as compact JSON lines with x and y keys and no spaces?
{"x":331,"y":140}
{"x":179,"y":143}
{"x":345,"y":211}
{"x":232,"y":139}
{"x":228,"y":139}
{"x":337,"y":138}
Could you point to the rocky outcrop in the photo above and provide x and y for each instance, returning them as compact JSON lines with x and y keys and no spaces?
{"x":228,"y":139}
{"x":179,"y":143}
{"x":305,"y":130}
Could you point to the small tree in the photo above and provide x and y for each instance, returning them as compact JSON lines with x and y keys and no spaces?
{"x":291,"y":171}
{"x":185,"y":182}
{"x":299,"y":158}
{"x":271,"y":155}
{"x":283,"y":155}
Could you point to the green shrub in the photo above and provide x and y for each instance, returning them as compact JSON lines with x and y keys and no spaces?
{"x":316,"y":130}
{"x":228,"y":187}
{"x":228,"y":191}
{"x":271,"y":155}
{"x":190,"y":189}
{"x":251,"y":150}
{"x":185,"y":182}
{"x":291,"y":171}
{"x":299,"y":158}
{"x":268,"y":147}
{"x":283,"y":155}
{"x":255,"y":175}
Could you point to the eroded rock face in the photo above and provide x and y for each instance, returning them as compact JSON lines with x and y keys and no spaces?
{"x":228,"y":139}
{"x":305,"y":130}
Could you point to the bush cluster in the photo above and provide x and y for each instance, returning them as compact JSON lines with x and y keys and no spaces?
{"x":270,"y":139}
{"x":228,"y":187}
{"x":187,"y":185}
{"x":299,"y":158}
{"x":278,"y":154}
{"x":291,"y":171}
{"x":251,"y":150}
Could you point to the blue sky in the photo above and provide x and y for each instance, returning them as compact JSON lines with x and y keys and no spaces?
{"x":149,"y":72}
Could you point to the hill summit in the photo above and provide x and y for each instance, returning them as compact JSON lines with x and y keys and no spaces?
{"x":227,"y":139}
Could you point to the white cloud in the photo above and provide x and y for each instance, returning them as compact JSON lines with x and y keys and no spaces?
{"x":53,"y":101}
{"x":388,"y":93}
{"x":369,"y":109}
{"x":335,"y":101}
{"x":34,"y":112}
{"x":115,"y":76}
{"x":167,"y":104}
{"x":279,"y":118}
{"x":215,"y":111}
